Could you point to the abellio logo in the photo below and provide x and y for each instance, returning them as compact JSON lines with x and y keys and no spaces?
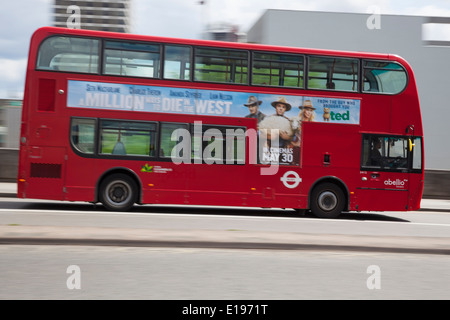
{"x":397,"y":183}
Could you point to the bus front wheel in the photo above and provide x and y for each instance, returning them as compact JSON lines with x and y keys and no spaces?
{"x":118,"y":192}
{"x":327,"y":200}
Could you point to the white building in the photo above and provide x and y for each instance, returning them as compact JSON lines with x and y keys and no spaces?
{"x":401,"y":35}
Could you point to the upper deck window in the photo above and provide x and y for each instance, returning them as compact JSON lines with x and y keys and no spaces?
{"x":384,"y":77}
{"x":272,"y":69}
{"x":332,"y":73}
{"x":132,"y":59}
{"x":69,"y":54}
{"x":177,"y":62}
{"x":220,"y":65}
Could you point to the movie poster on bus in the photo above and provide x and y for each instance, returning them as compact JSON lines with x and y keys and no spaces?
{"x":279,"y":117}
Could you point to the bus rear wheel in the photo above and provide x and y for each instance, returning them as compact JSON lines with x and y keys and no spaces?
{"x":327,"y":201}
{"x":118,"y":192}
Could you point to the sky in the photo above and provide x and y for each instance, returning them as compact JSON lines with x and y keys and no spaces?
{"x":175,"y":18}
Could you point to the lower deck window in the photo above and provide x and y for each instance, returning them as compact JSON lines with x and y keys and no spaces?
{"x":83,"y":135}
{"x":170,"y":139}
{"x":163,"y":141}
{"x":127,"y":138}
{"x":219,"y":144}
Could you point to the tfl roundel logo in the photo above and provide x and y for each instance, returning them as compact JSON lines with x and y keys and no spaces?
{"x":291,"y":179}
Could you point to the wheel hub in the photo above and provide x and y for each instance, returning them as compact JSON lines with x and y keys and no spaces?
{"x":327,"y":201}
{"x":118,"y":192}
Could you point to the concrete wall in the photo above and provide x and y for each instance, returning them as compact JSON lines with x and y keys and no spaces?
{"x":436,"y":181}
{"x":10,"y":121}
{"x":9,"y":159}
{"x":437,"y":184}
{"x":12,"y":118}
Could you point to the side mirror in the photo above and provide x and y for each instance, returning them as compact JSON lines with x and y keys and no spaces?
{"x":411,"y":145}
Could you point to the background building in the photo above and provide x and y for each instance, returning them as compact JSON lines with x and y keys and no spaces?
{"x":401,"y":35}
{"x":223,"y":32}
{"x":102,"y":15}
{"x":10,"y":115}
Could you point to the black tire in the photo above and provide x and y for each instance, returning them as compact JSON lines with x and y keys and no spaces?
{"x":118,"y":192}
{"x":327,"y":200}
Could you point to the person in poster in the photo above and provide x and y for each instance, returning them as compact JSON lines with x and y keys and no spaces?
{"x":307,"y":111}
{"x":278,"y":124}
{"x":306,"y":114}
{"x":253,"y":107}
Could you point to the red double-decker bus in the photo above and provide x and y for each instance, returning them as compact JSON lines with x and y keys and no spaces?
{"x":129,"y":119}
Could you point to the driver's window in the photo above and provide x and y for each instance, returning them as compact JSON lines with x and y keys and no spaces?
{"x":397,"y":156}
{"x":384,"y":153}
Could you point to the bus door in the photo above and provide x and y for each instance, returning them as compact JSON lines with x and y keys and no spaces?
{"x":384,"y":176}
{"x":218,"y":173}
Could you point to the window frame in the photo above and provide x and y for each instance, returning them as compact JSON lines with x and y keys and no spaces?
{"x":417,"y":170}
{"x":409,"y":154}
{"x":72,"y":142}
{"x":159,"y":140}
{"x":99,"y":54}
{"x":222,"y":128}
{"x":194,"y":62}
{"x":127,"y":156}
{"x":357,"y":72}
{"x":157,"y":68}
{"x":283,"y":75}
{"x":364,"y":68}
{"x":190,"y":59}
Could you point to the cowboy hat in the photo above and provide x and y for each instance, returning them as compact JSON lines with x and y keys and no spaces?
{"x":252,"y":100}
{"x":307,"y":104}
{"x":283,"y":101}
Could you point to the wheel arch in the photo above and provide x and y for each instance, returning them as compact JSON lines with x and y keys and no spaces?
{"x":331,"y":179}
{"x":117,"y":170}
